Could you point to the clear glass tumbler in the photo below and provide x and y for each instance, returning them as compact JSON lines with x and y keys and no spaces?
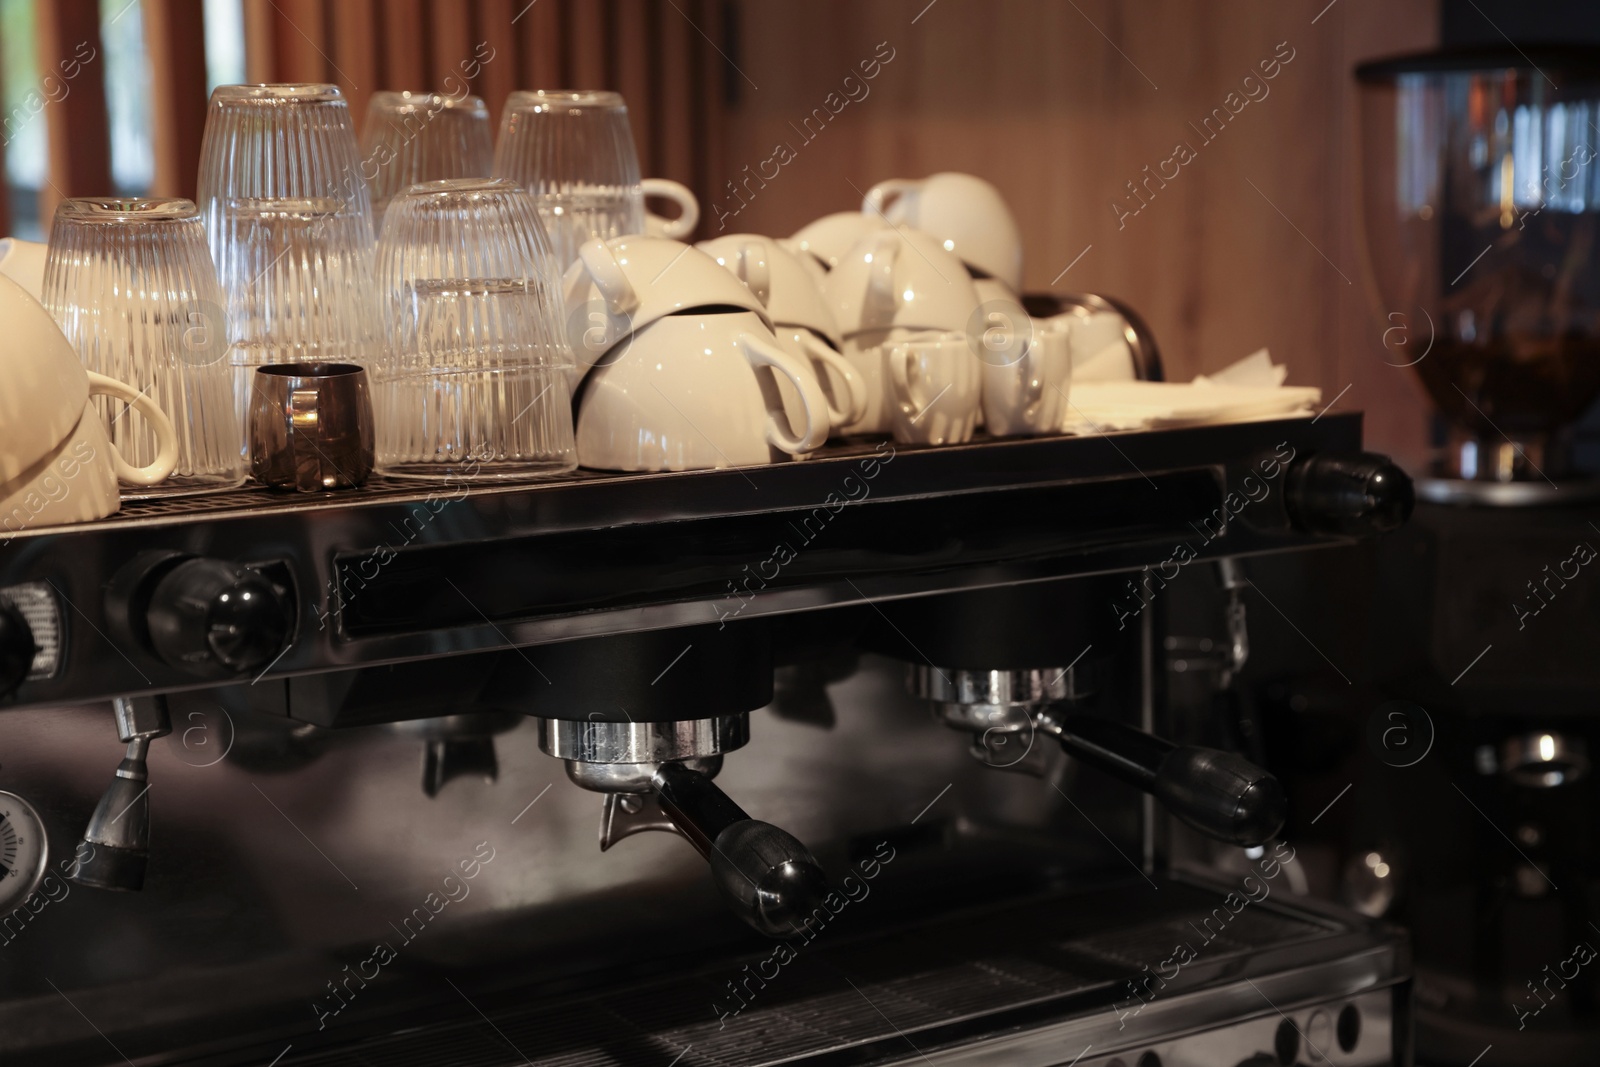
{"x":422,"y":137}
{"x":290,"y":227}
{"x":573,"y":150}
{"x":132,"y":286}
{"x":475,"y":377}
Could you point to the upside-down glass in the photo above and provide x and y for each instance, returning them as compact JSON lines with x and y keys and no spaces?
{"x":574,"y":151}
{"x":290,"y":227}
{"x":132,"y":286}
{"x":474,"y":380}
{"x":422,"y":137}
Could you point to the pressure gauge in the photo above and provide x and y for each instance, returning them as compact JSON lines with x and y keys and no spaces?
{"x":24,"y":851}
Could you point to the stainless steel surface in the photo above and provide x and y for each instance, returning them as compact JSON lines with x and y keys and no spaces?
{"x":367,"y":566}
{"x":1523,"y":494}
{"x":993,"y":689}
{"x":642,"y":742}
{"x":1141,"y":339}
{"x":630,"y":777}
{"x":143,"y":718}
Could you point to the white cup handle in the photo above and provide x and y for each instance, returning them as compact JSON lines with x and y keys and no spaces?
{"x":684,"y":224}
{"x":167,"y":449}
{"x":879,"y":195}
{"x":855,"y":386}
{"x":603,"y":267}
{"x":905,"y":393}
{"x":754,"y":270}
{"x":782,"y":436}
{"x":880,"y":284}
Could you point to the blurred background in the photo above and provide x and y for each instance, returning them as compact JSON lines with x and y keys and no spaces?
{"x":1063,"y":106}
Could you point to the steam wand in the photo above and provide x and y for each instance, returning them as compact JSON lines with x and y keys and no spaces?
{"x":118,"y":834}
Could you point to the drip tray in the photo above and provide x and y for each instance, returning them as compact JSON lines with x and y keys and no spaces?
{"x":1026,"y":984}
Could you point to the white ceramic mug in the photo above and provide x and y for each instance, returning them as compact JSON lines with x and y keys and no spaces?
{"x":1027,"y":396}
{"x":936,"y":384}
{"x":623,"y":285}
{"x":44,"y":391}
{"x":966,"y":214}
{"x":695,"y":392}
{"x":829,"y":239}
{"x":77,"y":480}
{"x":23,"y":262}
{"x":782,"y":281}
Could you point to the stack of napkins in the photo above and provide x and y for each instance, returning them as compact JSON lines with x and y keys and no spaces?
{"x":1249,"y":389}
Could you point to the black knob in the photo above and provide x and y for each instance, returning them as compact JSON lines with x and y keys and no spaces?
{"x":17,"y":648}
{"x":216,"y":619}
{"x":1357,"y":494}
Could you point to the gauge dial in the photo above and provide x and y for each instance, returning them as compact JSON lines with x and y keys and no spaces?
{"x":23,"y":851}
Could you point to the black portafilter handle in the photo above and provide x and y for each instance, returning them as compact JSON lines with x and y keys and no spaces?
{"x":1221,"y":794}
{"x":767,"y":876}
{"x":1349,"y":493}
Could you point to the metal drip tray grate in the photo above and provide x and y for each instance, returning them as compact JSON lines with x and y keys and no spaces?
{"x":877,"y":1000}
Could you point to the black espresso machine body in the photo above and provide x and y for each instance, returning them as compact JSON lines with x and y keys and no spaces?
{"x":903,"y":707}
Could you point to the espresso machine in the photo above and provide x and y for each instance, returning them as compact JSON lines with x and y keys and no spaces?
{"x":862,"y":760}
{"x":1467,"y":747}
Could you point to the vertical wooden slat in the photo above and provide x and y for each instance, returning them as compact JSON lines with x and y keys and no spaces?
{"x":634,"y":45}
{"x":586,"y":44}
{"x":175,"y":39}
{"x":495,"y":30}
{"x":675,"y":148}
{"x":301,"y":40}
{"x":450,"y":41}
{"x":70,"y":50}
{"x":707,"y":126}
{"x":405,"y":56}
{"x":5,"y":184}
{"x":260,"y":48}
{"x":355,"y":52}
{"x":542,"y":34}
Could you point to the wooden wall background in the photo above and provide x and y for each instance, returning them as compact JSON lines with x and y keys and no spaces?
{"x":1059,"y":104}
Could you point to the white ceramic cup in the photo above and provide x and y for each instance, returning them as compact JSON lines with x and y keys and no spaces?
{"x":935,"y":384}
{"x":966,"y":214}
{"x":900,"y":278}
{"x":23,"y":262}
{"x":1027,"y":396}
{"x":44,"y":391}
{"x":829,"y":239}
{"x":77,"y":480}
{"x":784,"y":284}
{"x":623,"y":285}
{"x":695,"y":392}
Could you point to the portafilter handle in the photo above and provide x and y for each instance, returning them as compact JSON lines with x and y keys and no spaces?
{"x":1221,"y":794}
{"x":767,"y":876}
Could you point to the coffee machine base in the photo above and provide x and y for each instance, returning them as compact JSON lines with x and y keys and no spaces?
{"x":1177,"y":971}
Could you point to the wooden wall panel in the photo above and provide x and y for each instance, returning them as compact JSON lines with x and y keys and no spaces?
{"x":175,"y":40}
{"x":497,"y":31}
{"x":450,"y":40}
{"x":1061,"y":106}
{"x":587,"y":41}
{"x":541,"y":52}
{"x":300,"y":41}
{"x":405,"y":54}
{"x":357,"y":52}
{"x":79,"y":127}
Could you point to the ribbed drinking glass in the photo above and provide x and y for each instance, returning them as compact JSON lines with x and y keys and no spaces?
{"x":290,"y":227}
{"x":474,"y":380}
{"x":573,"y":150}
{"x":422,"y":137}
{"x":132,"y":286}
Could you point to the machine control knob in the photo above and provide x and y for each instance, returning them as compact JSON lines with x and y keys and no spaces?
{"x":1357,"y":494}
{"x":17,"y":648}
{"x":216,"y":619}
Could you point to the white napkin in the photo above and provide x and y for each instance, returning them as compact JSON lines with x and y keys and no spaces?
{"x":1248,"y":389}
